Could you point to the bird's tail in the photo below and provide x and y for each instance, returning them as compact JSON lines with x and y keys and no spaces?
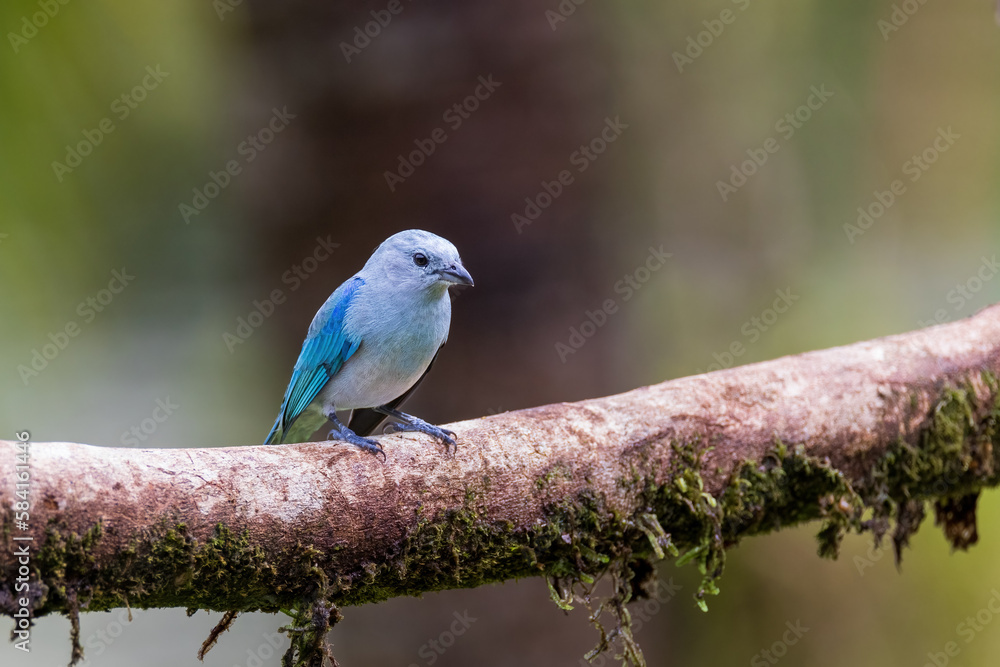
{"x":298,"y":430}
{"x":274,"y":437}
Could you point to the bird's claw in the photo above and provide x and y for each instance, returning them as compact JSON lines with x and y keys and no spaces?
{"x":366,"y":444}
{"x":419,"y":425}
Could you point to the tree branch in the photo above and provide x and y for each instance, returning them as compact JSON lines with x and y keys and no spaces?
{"x":569,"y":490}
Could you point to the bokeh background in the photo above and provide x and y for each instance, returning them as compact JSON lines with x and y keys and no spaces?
{"x":697,"y":83}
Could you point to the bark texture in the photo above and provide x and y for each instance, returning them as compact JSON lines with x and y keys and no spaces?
{"x":567,"y":490}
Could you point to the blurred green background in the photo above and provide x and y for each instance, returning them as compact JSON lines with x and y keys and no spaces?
{"x":698,"y":84}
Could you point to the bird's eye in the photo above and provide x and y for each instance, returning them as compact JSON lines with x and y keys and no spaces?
{"x":420,"y":259}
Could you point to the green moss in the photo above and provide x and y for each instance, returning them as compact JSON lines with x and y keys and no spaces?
{"x":64,"y":564}
{"x":956,"y":454}
{"x":464,"y":548}
{"x":170,"y":568}
{"x":787,"y":488}
{"x":693,"y":515}
{"x":558,"y":470}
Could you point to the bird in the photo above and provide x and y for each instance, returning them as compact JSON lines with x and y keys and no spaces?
{"x":372,"y":342}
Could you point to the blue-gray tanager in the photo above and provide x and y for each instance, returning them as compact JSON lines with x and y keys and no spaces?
{"x":372,"y":342}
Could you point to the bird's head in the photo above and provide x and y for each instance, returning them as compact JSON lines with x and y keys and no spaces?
{"x":420,"y":259}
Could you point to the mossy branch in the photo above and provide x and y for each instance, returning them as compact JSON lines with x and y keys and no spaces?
{"x":857,"y":436}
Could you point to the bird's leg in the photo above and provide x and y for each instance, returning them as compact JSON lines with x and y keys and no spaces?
{"x":411,"y":423}
{"x":341,"y":432}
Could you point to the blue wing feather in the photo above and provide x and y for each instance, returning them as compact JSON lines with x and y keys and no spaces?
{"x":326,"y":348}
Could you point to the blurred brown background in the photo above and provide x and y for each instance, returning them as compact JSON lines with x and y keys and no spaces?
{"x":698,"y":91}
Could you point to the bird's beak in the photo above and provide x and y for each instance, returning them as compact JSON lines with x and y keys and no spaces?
{"x":456,"y":275}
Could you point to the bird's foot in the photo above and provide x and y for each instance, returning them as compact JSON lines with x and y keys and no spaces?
{"x":345,"y":434}
{"x":412,"y":423}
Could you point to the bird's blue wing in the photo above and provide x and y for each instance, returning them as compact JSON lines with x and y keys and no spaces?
{"x":326,"y":348}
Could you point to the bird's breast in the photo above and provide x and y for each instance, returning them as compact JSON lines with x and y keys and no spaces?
{"x":397,"y":346}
